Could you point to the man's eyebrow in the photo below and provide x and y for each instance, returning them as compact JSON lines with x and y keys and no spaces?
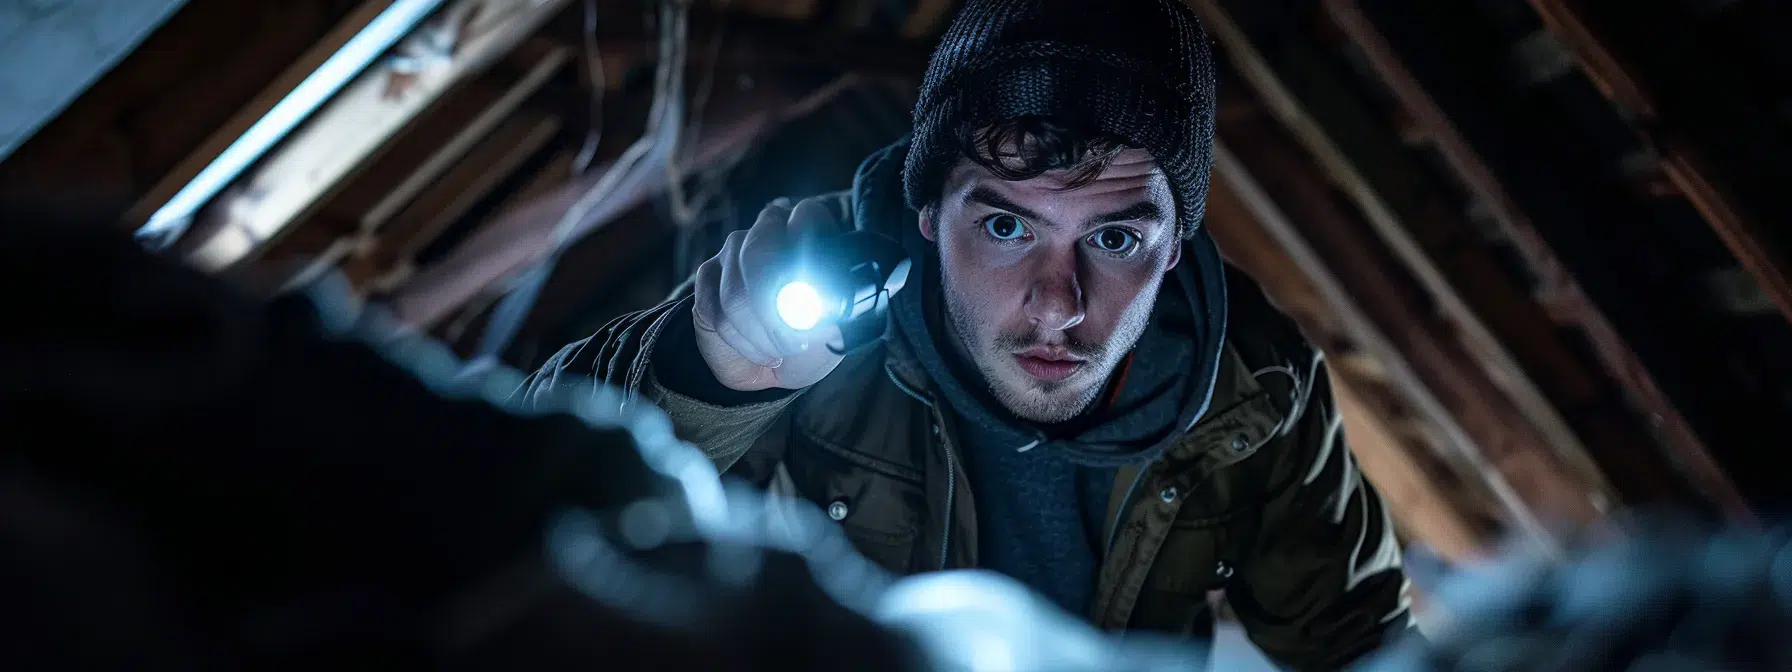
{"x":988,"y":197}
{"x":1143,"y":210}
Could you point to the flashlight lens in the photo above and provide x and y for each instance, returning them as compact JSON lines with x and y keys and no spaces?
{"x":799,"y":305}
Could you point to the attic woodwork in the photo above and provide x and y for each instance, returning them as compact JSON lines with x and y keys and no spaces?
{"x":1558,"y":293}
{"x":1425,"y":191}
{"x":354,"y":127}
{"x":1681,"y":159}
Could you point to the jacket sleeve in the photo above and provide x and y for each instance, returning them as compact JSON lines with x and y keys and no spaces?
{"x":623,"y":355}
{"x":1318,"y":582}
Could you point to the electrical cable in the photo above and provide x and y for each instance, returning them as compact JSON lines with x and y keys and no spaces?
{"x":658,"y":142}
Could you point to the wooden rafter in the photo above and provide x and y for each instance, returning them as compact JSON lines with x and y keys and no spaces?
{"x":354,"y":127}
{"x":1479,"y":428}
{"x":1543,"y":426}
{"x":1433,"y":498}
{"x":1683,"y":163}
{"x":214,"y":144}
{"x":1559,"y":291}
{"x":520,"y":236}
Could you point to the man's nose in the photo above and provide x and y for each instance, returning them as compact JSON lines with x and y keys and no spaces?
{"x":1055,"y":301}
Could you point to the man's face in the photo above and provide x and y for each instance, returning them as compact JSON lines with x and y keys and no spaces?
{"x":1047,"y":288}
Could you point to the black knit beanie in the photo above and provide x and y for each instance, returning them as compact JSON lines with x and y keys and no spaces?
{"x":1137,"y":69}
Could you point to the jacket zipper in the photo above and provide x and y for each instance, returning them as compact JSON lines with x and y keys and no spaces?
{"x":1125,"y":503}
{"x":951,"y":470}
{"x":951,"y":489}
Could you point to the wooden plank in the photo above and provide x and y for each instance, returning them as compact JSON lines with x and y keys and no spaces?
{"x":1562,"y":292}
{"x":1421,"y":357}
{"x":1683,"y":163}
{"x":1406,"y":467}
{"x":1552,"y":431}
{"x":450,"y":198}
{"x":257,"y":107}
{"x":141,"y":119}
{"x":518,"y":237}
{"x":1414,"y":499}
{"x":356,"y":125}
{"x":460,"y":143}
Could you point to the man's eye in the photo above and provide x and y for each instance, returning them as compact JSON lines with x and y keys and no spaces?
{"x":1114,"y":241}
{"x":1004,"y":227}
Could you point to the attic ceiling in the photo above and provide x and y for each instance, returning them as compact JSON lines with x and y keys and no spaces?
{"x":1541,"y":242}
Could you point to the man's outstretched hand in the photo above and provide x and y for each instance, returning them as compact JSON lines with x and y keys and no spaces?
{"x":747,"y":347}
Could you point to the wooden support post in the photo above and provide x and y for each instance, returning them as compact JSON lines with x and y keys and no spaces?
{"x":1683,"y":163}
{"x":1561,"y":292}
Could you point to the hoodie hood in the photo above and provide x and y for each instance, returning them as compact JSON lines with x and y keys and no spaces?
{"x":1174,"y":364}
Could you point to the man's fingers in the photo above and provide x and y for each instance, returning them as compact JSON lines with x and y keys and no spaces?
{"x":739,"y":306}
{"x":730,"y":333}
{"x":813,"y":217}
{"x":707,"y":310}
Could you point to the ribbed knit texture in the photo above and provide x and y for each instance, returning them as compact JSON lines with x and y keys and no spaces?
{"x":1138,"y":69}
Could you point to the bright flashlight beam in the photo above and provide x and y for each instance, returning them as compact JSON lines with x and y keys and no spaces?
{"x":799,"y":305}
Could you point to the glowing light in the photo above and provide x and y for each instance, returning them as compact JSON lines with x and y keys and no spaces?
{"x":800,"y":306}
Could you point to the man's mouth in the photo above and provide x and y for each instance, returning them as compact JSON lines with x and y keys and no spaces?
{"x":1049,"y":363}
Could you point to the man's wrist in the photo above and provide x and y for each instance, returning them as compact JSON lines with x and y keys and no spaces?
{"x":680,"y":368}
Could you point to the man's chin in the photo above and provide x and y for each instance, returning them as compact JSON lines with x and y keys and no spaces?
{"x":1046,"y":403}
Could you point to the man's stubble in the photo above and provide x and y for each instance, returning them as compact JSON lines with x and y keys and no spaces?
{"x":1041,"y":401}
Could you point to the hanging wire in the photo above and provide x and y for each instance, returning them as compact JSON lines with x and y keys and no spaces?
{"x":595,"y":78}
{"x":659,"y":142}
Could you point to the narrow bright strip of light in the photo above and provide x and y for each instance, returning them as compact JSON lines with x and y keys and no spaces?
{"x":799,"y":305}
{"x":385,"y":30}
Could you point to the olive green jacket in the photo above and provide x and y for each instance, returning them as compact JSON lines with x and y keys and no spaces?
{"x":1260,"y":498}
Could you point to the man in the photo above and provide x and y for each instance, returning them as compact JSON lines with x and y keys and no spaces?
{"x":1073,"y":389}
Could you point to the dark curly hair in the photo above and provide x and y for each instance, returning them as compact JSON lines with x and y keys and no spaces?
{"x":1027,"y":147}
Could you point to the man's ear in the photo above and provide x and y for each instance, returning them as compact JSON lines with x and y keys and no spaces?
{"x":1175,"y":254}
{"x":926,"y":222}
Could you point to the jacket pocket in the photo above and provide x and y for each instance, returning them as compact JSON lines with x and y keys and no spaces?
{"x":877,"y":505}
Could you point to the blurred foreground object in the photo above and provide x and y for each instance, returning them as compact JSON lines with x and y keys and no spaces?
{"x":1667,"y":595}
{"x":193,"y":479}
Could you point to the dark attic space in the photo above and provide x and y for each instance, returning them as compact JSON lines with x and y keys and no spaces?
{"x":985,"y":335}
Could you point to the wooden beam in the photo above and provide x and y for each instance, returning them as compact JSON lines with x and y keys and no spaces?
{"x":1684,"y":164}
{"x":1561,"y":291}
{"x":1480,"y":426}
{"x":1414,"y":496}
{"x":449,"y":199}
{"x":140,"y":121}
{"x":1548,"y":429}
{"x":258,"y":107}
{"x":355,"y":126}
{"x":519,"y":237}
{"x":457,"y":146}
{"x":1433,"y":498}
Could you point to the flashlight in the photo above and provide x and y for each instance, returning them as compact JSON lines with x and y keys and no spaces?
{"x":845,"y":280}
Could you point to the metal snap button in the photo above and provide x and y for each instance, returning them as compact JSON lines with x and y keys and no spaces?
{"x":1241,"y":443}
{"x":1168,"y":494}
{"x":838,"y":510}
{"x":1222,"y":570}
